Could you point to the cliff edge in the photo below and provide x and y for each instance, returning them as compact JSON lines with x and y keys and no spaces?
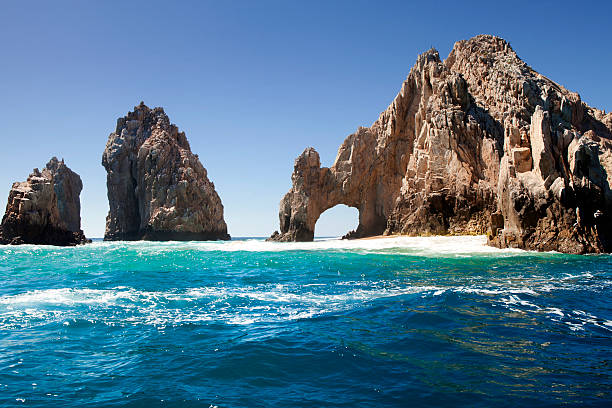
{"x":477,"y":144}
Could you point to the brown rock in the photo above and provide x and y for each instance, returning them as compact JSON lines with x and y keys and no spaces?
{"x":521,"y":156}
{"x":157,"y":188}
{"x":477,"y":143}
{"x":45,"y":209}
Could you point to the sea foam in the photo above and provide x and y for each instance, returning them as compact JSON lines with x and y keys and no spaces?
{"x":434,"y":245}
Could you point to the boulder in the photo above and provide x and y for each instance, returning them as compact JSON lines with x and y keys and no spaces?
{"x":45,"y":209}
{"x":157,"y":188}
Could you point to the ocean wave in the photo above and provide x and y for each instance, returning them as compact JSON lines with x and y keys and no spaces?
{"x":126,"y":297}
{"x":272,"y":302}
{"x":231,"y":305}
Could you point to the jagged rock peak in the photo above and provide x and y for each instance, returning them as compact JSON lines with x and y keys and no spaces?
{"x":45,"y":209}
{"x":157,"y":188}
{"x":485,"y":44}
{"x":477,"y":143}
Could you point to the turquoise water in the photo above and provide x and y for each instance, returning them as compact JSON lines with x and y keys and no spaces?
{"x":381,"y":323}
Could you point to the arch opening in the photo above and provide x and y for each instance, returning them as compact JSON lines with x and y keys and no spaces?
{"x":336,"y":221}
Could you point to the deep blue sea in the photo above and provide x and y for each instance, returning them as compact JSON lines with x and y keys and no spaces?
{"x":397,"y":322}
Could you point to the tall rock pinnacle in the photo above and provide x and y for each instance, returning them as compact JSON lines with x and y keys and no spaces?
{"x":157,"y":188}
{"x":45,"y":209}
{"x":478,"y":143}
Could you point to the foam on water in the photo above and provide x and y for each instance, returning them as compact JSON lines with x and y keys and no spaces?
{"x":243,"y":305}
{"x":435,"y":245}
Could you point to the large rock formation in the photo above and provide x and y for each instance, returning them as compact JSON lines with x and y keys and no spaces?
{"x":478,"y":143}
{"x":157,"y":188}
{"x":45,"y":209}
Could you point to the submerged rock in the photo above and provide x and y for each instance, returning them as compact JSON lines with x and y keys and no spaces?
{"x":45,"y":209}
{"x":478,"y":143}
{"x":157,"y":188}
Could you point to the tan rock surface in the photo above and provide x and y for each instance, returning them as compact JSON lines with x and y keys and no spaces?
{"x":476,"y":143}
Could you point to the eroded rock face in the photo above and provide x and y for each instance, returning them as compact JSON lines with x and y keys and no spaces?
{"x":478,"y":143}
{"x":45,"y":209}
{"x":157,"y":188}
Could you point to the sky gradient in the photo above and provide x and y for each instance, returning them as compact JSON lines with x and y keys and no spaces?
{"x":251,"y":83}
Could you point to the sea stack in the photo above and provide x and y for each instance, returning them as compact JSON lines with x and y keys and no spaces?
{"x":157,"y":188}
{"x":477,"y":144}
{"x":45,"y":209}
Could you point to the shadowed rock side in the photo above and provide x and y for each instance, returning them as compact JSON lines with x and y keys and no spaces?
{"x":157,"y":188}
{"x":45,"y":209}
{"x":478,"y":143}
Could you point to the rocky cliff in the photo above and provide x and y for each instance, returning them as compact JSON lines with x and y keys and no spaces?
{"x":45,"y":209}
{"x":478,"y":143}
{"x":157,"y":188}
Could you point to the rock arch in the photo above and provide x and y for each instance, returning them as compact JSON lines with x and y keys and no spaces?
{"x":370,"y":170}
{"x":476,"y":144}
{"x":317,"y":189}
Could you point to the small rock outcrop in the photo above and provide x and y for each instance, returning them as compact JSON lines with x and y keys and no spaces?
{"x":157,"y":188}
{"x":45,"y":209}
{"x":477,"y":144}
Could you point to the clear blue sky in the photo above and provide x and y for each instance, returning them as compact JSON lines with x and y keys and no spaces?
{"x":251,"y":83}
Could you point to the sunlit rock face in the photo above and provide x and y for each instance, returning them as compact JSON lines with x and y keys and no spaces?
{"x":45,"y":209}
{"x":478,"y":143}
{"x":157,"y":188}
